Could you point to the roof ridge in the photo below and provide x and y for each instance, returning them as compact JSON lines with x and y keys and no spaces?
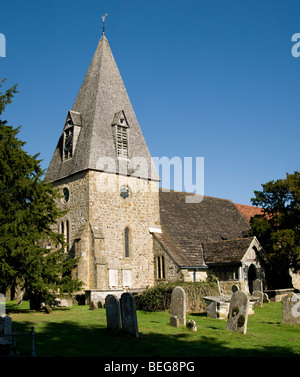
{"x":161,"y":189}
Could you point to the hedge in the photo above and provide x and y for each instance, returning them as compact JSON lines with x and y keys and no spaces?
{"x":159,"y":298}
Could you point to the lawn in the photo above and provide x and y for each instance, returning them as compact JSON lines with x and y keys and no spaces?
{"x":79,"y":331}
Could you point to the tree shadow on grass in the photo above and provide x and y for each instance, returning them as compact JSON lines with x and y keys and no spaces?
{"x":69,"y":339}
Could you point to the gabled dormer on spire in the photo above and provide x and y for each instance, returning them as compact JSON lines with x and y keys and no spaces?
{"x":121,"y":135}
{"x":70,"y":134}
{"x":96,"y":117}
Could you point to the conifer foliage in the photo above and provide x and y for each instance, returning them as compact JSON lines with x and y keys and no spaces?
{"x":278,"y":227}
{"x":28,"y":209}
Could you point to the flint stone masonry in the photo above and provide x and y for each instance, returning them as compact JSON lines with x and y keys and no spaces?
{"x":238,"y":312}
{"x":113,"y":315}
{"x":128,"y":314}
{"x":291,"y":309}
{"x":178,"y":304}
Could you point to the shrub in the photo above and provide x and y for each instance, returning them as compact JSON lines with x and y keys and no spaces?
{"x":159,"y":298}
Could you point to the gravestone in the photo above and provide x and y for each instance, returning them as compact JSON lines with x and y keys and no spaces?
{"x":113,"y":316}
{"x":174,"y":321}
{"x":178,"y":304}
{"x":259,"y":296}
{"x":291,"y":309}
{"x":257,"y":285}
{"x":5,"y":325}
{"x":238,"y":312}
{"x":2,"y":305}
{"x":5,"y":329}
{"x":128,"y":314}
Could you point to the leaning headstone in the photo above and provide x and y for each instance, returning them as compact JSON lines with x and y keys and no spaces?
{"x":128,"y":314}
{"x":174,"y":321}
{"x":291,"y":309}
{"x":238,"y":312}
{"x":259,"y":297}
{"x":178,"y":304}
{"x":257,"y":285}
{"x":113,"y":316}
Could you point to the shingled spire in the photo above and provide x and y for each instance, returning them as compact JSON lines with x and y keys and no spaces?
{"x":101,"y":131}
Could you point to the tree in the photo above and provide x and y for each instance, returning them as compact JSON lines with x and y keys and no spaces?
{"x":31,"y":253}
{"x":278,"y":227}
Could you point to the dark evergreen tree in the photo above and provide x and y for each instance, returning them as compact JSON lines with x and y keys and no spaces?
{"x":278,"y":228}
{"x":31,"y":253}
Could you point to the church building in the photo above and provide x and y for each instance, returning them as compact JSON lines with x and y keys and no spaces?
{"x":129,"y":233}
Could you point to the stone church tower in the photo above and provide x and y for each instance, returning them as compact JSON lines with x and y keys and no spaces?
{"x":104,"y":169}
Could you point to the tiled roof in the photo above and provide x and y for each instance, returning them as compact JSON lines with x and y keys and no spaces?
{"x":186,"y":226}
{"x":227,"y":251}
{"x":248,"y":211}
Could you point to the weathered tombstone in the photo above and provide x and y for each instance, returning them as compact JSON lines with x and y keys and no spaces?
{"x":178,"y":304}
{"x":257,"y":285}
{"x":2,"y":304}
{"x":174,"y":321}
{"x":238,"y":312}
{"x":291,"y":309}
{"x":6,"y":328}
{"x":128,"y":314}
{"x":113,"y":316}
{"x":259,"y":296}
{"x":7,"y":325}
{"x":6,"y":342}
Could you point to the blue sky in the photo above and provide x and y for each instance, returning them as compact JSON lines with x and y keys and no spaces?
{"x":207,"y":78}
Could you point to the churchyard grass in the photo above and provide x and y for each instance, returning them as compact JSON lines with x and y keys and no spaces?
{"x":79,"y":331}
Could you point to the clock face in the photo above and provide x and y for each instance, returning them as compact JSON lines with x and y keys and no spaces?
{"x":124,"y":192}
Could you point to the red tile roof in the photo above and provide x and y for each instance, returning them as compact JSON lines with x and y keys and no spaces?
{"x":248,"y":211}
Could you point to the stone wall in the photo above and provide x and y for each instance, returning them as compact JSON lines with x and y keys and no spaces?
{"x":138,"y":212}
{"x":172,"y":271}
{"x":98,"y":216}
{"x":77,"y":216}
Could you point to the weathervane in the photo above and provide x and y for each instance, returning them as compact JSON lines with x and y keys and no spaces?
{"x":103,"y":23}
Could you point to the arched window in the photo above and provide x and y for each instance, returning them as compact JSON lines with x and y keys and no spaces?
{"x":160,"y":264}
{"x":65,"y":230}
{"x":127,"y":245}
{"x":67,"y":237}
